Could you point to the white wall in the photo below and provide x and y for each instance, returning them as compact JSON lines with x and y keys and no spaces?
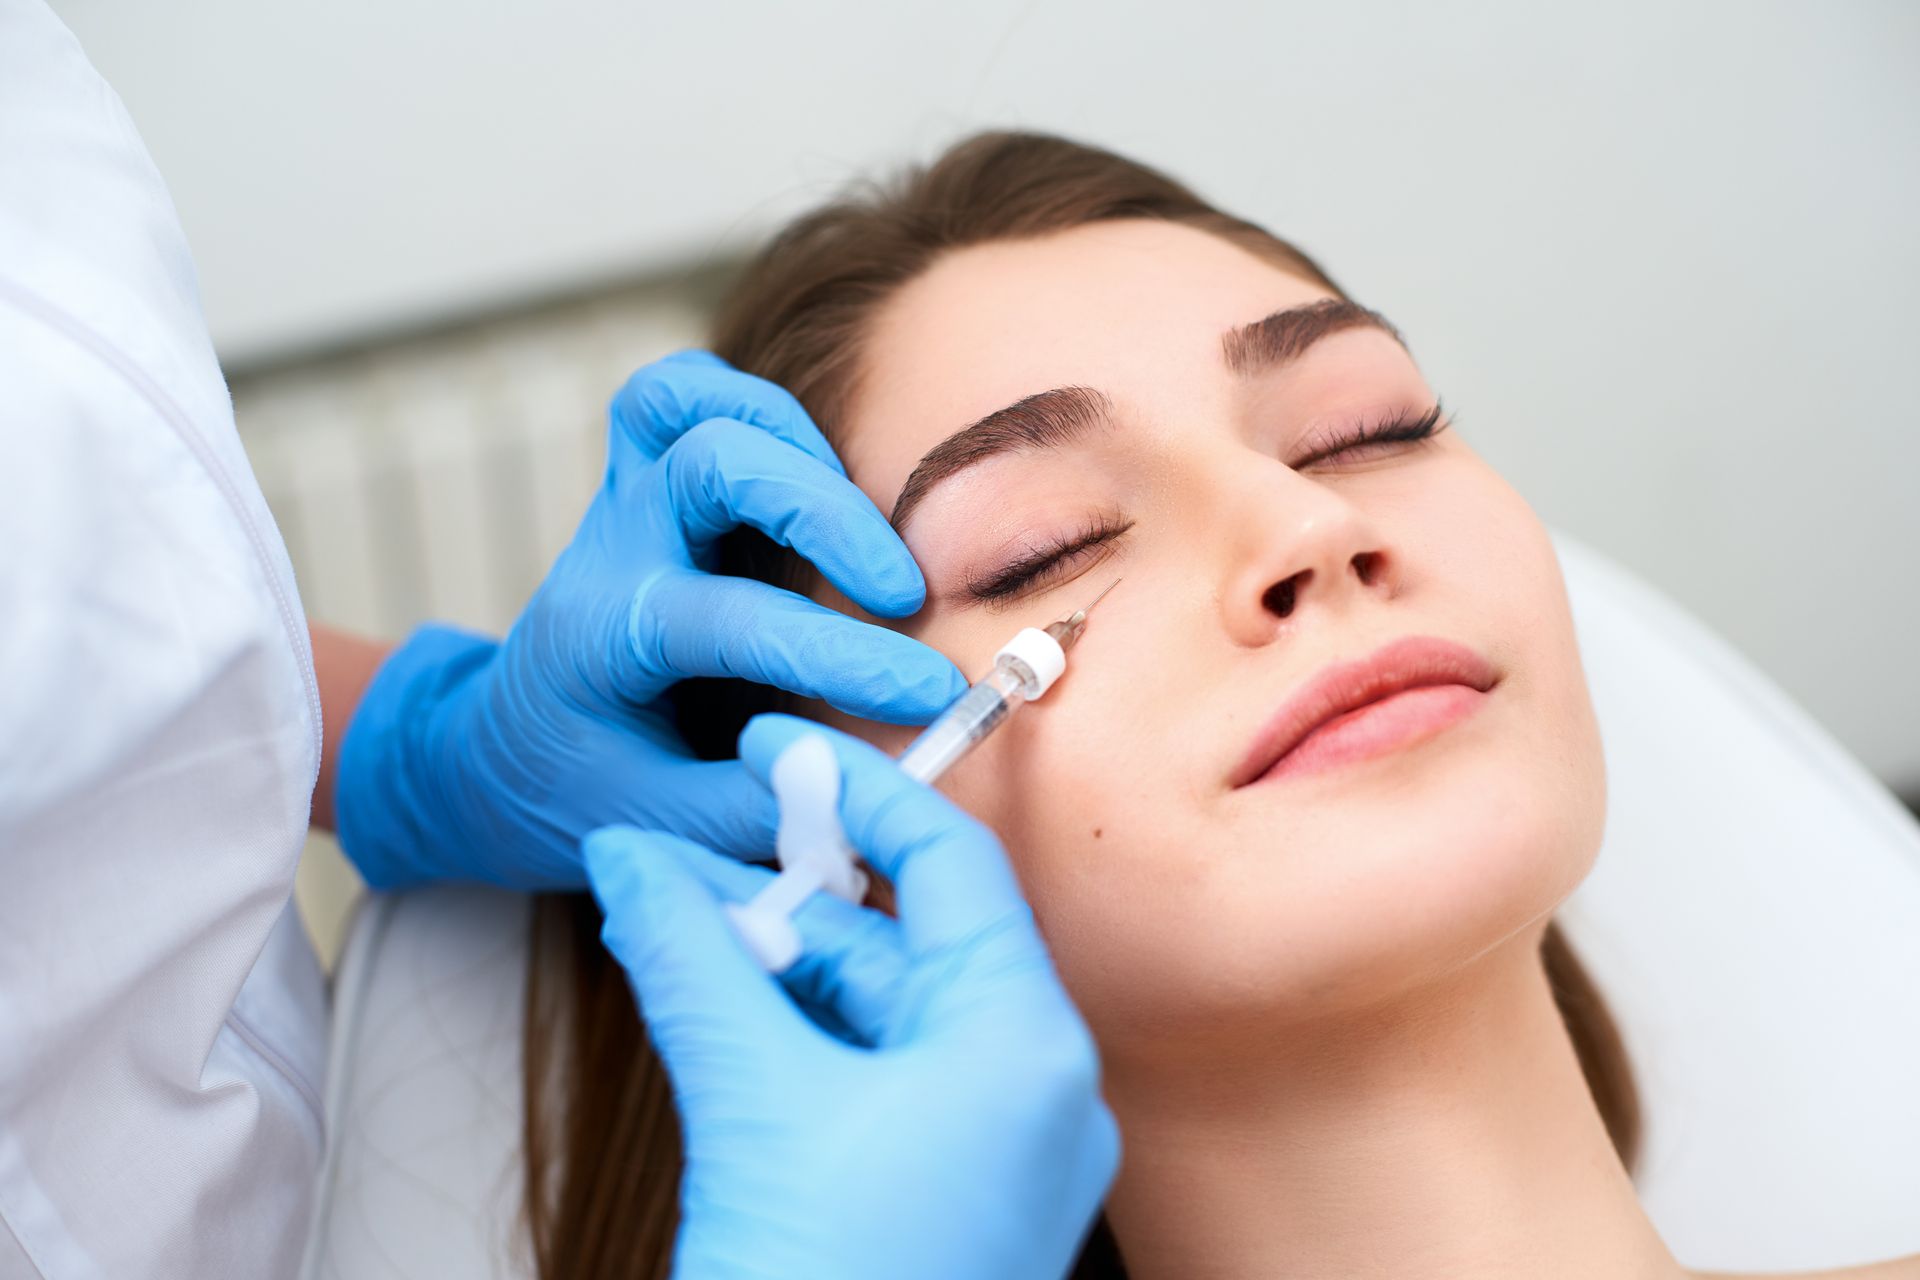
{"x":1659,"y":256}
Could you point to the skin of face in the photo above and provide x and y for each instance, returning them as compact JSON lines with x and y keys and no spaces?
{"x":1186,"y":915}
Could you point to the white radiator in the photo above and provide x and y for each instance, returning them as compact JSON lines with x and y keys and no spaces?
{"x":437,"y":477}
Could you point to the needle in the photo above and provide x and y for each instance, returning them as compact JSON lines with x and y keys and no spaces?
{"x":1068,"y":629}
{"x":1097,"y":599}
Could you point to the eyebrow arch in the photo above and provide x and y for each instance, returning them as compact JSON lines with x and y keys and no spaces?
{"x":1284,"y":336}
{"x":1044,"y":420}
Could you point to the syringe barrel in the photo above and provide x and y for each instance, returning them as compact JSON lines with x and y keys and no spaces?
{"x":965,"y":724}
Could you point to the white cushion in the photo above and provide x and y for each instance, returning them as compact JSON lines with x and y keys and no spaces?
{"x":1753,"y":921}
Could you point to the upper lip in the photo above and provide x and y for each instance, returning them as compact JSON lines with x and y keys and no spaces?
{"x":1407,"y":663}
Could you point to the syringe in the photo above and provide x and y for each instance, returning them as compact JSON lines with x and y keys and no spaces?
{"x":1024,"y":669}
{"x":814,"y":853}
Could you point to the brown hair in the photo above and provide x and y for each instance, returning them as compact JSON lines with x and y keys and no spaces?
{"x":603,"y":1153}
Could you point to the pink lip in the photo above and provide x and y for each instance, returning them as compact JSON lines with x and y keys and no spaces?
{"x":1408,"y":689}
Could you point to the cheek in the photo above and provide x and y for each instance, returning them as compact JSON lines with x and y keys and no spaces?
{"x":1100,"y":831}
{"x":1538,"y":644}
{"x":1532,"y":798}
{"x":1489,"y":564}
{"x":1573,"y":763}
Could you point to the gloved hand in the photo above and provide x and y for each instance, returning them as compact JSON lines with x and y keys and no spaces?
{"x":952,"y":1128}
{"x":480,"y":760}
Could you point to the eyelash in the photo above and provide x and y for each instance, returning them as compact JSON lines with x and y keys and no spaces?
{"x":1403,"y":425}
{"x":1047,"y":564}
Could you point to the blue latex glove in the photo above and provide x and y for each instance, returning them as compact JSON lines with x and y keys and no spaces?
{"x":481,"y":760}
{"x":953,"y":1128}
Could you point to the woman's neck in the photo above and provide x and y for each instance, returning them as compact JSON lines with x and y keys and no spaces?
{"x":1450,"y":1135}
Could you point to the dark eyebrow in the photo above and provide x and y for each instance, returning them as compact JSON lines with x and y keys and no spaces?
{"x":1285,"y":335}
{"x":1044,"y":420}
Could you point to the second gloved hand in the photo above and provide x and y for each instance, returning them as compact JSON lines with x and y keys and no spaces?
{"x":951,"y":1129}
{"x":477,"y":759}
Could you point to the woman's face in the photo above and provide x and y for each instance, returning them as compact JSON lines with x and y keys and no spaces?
{"x":1176,"y":897}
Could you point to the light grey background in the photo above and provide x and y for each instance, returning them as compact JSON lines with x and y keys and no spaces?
{"x":1660,"y":257}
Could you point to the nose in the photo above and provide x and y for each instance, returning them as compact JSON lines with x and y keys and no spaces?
{"x":1299,"y":546}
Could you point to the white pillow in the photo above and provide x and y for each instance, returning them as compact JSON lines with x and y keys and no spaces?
{"x":1753,"y":922}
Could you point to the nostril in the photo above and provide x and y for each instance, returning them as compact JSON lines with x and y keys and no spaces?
{"x":1366,"y":564}
{"x":1278,"y":599}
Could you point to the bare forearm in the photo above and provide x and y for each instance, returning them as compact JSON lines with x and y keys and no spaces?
{"x":344,"y":665}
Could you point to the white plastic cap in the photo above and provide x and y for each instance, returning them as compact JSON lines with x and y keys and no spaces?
{"x":1040,"y":652}
{"x":806,"y":785}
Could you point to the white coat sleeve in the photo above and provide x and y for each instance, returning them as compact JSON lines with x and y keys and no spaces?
{"x":162,"y":1021}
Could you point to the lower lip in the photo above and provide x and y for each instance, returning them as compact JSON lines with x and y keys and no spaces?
{"x":1378,"y":728}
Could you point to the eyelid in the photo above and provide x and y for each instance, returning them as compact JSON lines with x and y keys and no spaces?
{"x":1050,"y":566}
{"x":1397,"y":426}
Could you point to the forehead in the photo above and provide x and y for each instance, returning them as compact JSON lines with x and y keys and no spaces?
{"x":1136,"y":309}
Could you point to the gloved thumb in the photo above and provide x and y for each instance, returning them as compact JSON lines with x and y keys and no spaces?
{"x":703,"y":997}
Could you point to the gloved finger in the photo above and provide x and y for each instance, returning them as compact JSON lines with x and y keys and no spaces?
{"x":715,"y":803}
{"x":688,"y":624}
{"x":855,"y":965}
{"x":705,"y":999}
{"x":853,"y":961}
{"x":722,"y":474}
{"x":663,"y":400}
{"x":951,"y":878}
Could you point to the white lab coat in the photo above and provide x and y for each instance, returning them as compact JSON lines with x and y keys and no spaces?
{"x":162,"y":1022}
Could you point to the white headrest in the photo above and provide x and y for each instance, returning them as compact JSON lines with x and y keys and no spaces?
{"x":1753,"y":922}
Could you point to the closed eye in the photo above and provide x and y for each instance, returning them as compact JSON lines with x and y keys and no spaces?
{"x":1051,"y":563}
{"x":1402,"y":426}
{"x":1064,"y":558}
